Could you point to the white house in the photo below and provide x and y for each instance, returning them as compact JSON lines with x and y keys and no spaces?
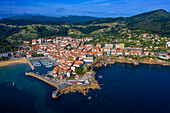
{"x":69,"y":72}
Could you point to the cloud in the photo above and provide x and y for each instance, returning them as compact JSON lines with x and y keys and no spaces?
{"x":60,"y":9}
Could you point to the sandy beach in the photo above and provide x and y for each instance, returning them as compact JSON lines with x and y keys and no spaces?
{"x":18,"y":61}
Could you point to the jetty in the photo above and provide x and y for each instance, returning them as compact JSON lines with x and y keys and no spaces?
{"x":56,"y":84}
{"x":30,"y":64}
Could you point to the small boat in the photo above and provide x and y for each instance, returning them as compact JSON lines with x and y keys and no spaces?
{"x":89,"y":97}
{"x":48,"y":66}
{"x":100,"y":76}
{"x":13,"y":84}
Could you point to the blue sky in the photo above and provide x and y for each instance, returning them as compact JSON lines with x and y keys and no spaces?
{"x":99,"y":8}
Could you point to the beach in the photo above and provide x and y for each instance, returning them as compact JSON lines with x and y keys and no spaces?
{"x":10,"y":62}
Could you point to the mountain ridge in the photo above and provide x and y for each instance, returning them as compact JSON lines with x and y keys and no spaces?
{"x":48,"y":19}
{"x":157,"y":21}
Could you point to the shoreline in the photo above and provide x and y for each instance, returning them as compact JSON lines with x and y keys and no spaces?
{"x":93,"y":83}
{"x":84,"y":89}
{"x":133,"y":62}
{"x":12,"y":62}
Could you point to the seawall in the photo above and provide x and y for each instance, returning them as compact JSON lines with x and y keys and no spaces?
{"x":58,"y":85}
{"x":42,"y":79}
{"x":30,"y":64}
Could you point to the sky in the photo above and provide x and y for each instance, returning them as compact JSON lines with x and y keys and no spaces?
{"x":97,"y":8}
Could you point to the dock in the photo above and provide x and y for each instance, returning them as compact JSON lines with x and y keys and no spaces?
{"x":30,"y":64}
{"x":56,"y":84}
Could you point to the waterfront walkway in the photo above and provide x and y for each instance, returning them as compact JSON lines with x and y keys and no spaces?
{"x":56,"y":84}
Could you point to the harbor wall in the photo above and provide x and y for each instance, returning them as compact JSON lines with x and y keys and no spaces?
{"x":42,"y":79}
{"x":30,"y":64}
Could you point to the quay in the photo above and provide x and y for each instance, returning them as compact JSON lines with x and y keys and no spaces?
{"x":56,"y":84}
{"x":30,"y":64}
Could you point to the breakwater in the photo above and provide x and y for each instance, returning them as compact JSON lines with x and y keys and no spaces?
{"x":30,"y":64}
{"x":56,"y":84}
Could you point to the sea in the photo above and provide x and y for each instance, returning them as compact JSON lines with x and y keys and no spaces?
{"x":125,"y":88}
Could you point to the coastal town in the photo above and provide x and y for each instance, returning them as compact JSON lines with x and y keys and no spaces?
{"x":84,"y":56}
{"x":72,"y":60}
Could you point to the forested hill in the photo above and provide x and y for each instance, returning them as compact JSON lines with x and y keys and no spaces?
{"x":157,"y":21}
{"x":40,"y":19}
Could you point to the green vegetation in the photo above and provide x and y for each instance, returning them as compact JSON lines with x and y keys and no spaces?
{"x":105,"y":30}
{"x":157,"y":21}
{"x":37,"y":55}
{"x":88,"y":29}
{"x":6,"y":46}
{"x":3,"y":58}
{"x":6,"y":31}
{"x":40,"y":19}
{"x":72,"y":77}
{"x":80,"y":70}
{"x":153,"y":22}
{"x":23,"y":55}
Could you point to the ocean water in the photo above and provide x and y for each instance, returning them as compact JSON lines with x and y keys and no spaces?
{"x":124,"y":89}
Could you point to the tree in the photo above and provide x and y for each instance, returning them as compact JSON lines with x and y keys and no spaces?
{"x":80,"y":70}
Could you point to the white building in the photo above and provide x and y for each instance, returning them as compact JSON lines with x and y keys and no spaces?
{"x":168,"y":44}
{"x":108,"y":45}
{"x":69,"y":72}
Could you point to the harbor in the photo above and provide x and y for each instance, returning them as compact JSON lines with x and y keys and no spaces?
{"x":58,"y":85}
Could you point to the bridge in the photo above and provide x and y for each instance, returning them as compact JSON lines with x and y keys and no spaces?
{"x":56,"y":84}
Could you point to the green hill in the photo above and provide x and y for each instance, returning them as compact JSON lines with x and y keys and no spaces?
{"x":155,"y":21}
{"x":19,"y":22}
{"x":48,"y":20}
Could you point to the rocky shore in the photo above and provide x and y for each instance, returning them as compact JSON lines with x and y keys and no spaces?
{"x":121,"y":59}
{"x":84,"y":89}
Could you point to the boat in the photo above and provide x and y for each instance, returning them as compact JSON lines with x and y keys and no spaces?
{"x":100,"y":76}
{"x":48,"y":66}
{"x":13,"y":84}
{"x":89,"y":98}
